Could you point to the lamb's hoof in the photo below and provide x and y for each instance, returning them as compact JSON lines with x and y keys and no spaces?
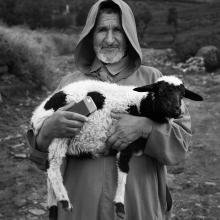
{"x":120,"y":210}
{"x":53,"y":212}
{"x":67,"y":205}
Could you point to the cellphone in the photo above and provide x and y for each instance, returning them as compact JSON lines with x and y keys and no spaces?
{"x":84,"y":107}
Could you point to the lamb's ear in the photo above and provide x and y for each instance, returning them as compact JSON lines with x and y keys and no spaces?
{"x":146,"y":88}
{"x":192,"y":95}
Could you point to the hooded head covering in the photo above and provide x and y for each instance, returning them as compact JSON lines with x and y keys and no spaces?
{"x":84,"y":53}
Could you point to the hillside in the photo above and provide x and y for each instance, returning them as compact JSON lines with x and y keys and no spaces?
{"x":194,"y":19}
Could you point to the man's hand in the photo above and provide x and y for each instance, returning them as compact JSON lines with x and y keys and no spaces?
{"x":60,"y":124}
{"x":128,"y":129}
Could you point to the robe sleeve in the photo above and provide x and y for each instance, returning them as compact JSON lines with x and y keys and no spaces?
{"x":36,"y":156}
{"x":169,"y":142}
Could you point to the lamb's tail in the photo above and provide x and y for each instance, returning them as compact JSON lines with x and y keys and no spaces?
{"x":56,"y":190}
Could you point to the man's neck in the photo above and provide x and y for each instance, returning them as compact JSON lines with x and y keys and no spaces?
{"x":113,"y":68}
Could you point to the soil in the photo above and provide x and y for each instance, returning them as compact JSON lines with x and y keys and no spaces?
{"x":195,"y":184}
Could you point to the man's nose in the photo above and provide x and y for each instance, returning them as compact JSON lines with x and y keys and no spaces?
{"x":109,"y":39}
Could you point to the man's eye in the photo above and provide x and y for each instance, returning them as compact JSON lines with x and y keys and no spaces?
{"x":101,"y":29}
{"x":117,"y":29}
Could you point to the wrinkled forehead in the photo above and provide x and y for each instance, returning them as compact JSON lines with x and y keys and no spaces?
{"x":109,"y":19}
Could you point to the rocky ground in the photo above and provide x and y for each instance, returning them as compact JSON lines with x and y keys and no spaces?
{"x":195,"y":184}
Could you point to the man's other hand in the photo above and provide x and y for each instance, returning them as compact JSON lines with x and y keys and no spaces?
{"x":128,"y":129}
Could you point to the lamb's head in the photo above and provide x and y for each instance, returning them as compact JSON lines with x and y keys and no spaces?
{"x":165,"y":97}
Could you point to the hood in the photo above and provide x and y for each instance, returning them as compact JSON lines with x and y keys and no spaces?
{"x":84,"y":53}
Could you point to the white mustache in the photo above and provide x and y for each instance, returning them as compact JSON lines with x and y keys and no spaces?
{"x":109,"y":47}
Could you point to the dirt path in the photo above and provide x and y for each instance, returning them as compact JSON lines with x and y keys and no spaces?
{"x":195,"y":184}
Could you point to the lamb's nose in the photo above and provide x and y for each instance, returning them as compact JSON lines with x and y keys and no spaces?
{"x":177,"y":108}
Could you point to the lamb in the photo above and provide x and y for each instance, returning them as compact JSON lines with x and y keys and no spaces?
{"x":160,"y":101}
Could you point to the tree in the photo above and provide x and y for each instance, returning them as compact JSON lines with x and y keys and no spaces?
{"x":142,"y":15}
{"x":172,"y":19}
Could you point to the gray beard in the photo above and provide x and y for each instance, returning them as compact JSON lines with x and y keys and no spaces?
{"x":110,"y":57}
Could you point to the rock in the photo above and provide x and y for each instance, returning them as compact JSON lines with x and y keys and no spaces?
{"x":211,"y":55}
{"x":177,"y":170}
{"x":33,"y":196}
{"x":171,"y":182}
{"x":44,"y":204}
{"x":192,"y":64}
{"x":204,"y":50}
{"x":19,"y":202}
{"x":20,"y":155}
{"x":20,"y":218}
{"x":31,"y":217}
{"x":210,"y":183}
{"x":9,"y":137}
{"x":37,"y":211}
{"x":17,"y":145}
{"x":198,"y":205}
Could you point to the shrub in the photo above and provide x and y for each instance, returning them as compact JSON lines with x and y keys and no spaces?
{"x":24,"y":55}
{"x":64,"y":43}
{"x":29,"y":54}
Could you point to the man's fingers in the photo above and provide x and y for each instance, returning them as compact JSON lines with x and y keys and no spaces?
{"x":114,"y":142}
{"x":67,"y":107}
{"x":74,"y":124}
{"x":76,"y":116}
{"x":111,"y":140}
{"x":70,"y":132}
{"x":117,"y":145}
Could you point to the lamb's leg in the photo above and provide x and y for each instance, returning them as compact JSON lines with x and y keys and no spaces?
{"x":123,"y":159}
{"x":51,"y":201}
{"x":57,"y":151}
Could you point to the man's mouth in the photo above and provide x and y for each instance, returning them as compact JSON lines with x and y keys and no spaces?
{"x":109,"y":48}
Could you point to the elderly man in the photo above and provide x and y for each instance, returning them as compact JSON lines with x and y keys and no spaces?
{"x":108,"y":50}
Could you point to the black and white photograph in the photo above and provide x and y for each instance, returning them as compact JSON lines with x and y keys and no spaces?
{"x":110,"y":110}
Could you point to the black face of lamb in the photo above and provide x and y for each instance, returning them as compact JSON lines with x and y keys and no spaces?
{"x":163,"y":103}
{"x":57,"y":101}
{"x":148,"y":108}
{"x":98,"y":99}
{"x":168,"y":101}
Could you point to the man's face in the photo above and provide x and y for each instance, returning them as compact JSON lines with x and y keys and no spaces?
{"x":109,"y":40}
